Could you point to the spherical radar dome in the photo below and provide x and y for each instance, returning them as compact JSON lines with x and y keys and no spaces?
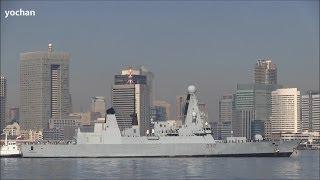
{"x":192,"y":89}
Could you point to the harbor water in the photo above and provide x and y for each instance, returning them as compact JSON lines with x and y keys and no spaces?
{"x":301,"y":165}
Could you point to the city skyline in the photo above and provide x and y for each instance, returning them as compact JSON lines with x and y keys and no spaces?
{"x":200,"y":49}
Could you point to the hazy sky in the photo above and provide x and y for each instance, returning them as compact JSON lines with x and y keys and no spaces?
{"x":212,"y":44}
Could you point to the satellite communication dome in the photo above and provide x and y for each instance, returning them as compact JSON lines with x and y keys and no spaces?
{"x":192,"y":89}
{"x":258,"y":137}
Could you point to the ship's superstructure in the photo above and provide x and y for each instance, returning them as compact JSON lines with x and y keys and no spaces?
{"x":194,"y":138}
{"x":10,"y":148}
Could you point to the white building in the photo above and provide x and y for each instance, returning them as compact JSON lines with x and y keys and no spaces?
{"x":285,"y":111}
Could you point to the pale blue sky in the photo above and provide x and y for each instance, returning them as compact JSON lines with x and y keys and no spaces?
{"x":213,"y":44}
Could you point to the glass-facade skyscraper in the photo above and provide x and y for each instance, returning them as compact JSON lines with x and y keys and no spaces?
{"x":253,"y":108}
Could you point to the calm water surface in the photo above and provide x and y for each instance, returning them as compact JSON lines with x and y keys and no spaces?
{"x":303,"y":165}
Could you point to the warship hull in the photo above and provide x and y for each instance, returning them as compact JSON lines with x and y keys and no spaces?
{"x":247,"y":149}
{"x":193,"y":139}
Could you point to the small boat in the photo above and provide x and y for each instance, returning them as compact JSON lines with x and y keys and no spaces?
{"x":10,"y":149}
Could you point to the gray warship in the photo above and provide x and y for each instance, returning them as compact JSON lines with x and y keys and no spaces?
{"x":193,"y":139}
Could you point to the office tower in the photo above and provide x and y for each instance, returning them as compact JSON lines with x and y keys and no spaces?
{"x":98,"y":104}
{"x":244,"y":104}
{"x":158,"y":114}
{"x":138,"y":76}
{"x":3,"y":101}
{"x":180,"y":105}
{"x":131,"y":100}
{"x":245,"y":118}
{"x":226,"y":108}
{"x":285,"y":111}
{"x":14,"y":114}
{"x":44,"y":88}
{"x":150,"y":82}
{"x":165,"y":105}
{"x":265,"y":72}
{"x":226,"y":115}
{"x":253,"y":109}
{"x":310,"y":111}
{"x":160,"y":111}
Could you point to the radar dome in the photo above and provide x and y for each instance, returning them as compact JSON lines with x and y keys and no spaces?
{"x":192,"y":89}
{"x":258,"y":137}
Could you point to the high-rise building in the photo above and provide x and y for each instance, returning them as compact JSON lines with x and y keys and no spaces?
{"x":244,"y":104}
{"x":158,"y":114}
{"x":180,"y":105}
{"x":245,"y":118}
{"x":265,"y":72}
{"x":226,"y":108}
{"x":131,"y":100}
{"x":160,"y":111}
{"x":150,"y":82}
{"x":14,"y":114}
{"x":44,"y":88}
{"x":285,"y":113}
{"x":226,"y":115}
{"x":3,"y":100}
{"x":165,"y":105}
{"x":98,"y":104}
{"x":253,"y":108}
{"x":310,"y":111}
